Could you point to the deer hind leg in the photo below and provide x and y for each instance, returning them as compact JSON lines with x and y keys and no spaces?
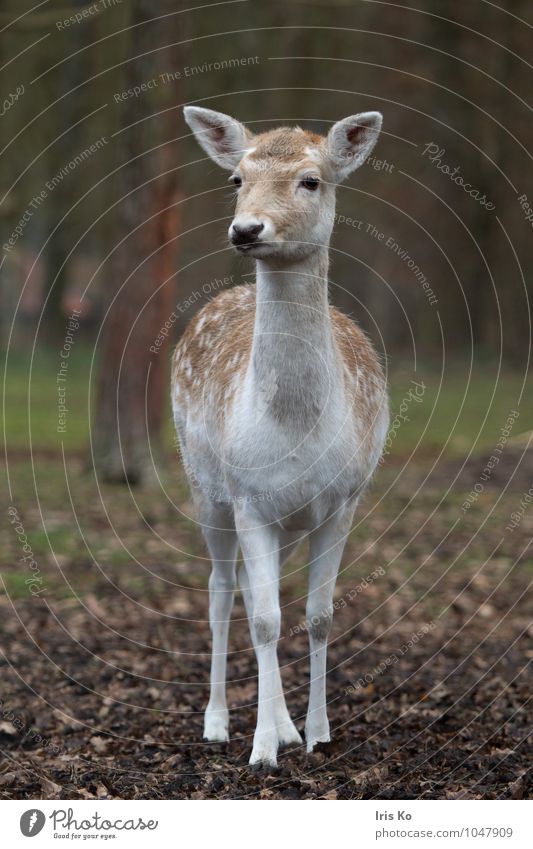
{"x":326,"y":548}
{"x":286,"y":730}
{"x":222,"y":545}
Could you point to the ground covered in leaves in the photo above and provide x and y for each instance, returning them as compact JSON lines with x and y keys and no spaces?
{"x":105,"y":670}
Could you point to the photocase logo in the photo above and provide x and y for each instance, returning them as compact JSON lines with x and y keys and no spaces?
{"x":32,"y":822}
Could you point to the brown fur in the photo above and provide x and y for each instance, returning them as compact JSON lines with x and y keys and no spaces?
{"x":283,"y":145}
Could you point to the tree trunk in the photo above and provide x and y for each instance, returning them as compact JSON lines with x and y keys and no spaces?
{"x":132,"y":379}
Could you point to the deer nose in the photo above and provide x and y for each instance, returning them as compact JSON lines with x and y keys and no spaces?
{"x":245,"y":234}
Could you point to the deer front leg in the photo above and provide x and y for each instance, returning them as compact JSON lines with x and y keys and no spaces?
{"x":326,"y":548}
{"x":261,"y":556}
{"x":287,"y":732}
{"x":222,"y":545}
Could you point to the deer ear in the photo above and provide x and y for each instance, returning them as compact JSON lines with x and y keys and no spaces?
{"x":351,"y":140}
{"x":223,"y":138}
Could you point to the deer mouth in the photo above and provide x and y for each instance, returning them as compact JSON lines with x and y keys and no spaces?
{"x":250,"y":246}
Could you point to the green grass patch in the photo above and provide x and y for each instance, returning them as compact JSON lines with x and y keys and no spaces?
{"x":58,"y":540}
{"x":16,"y":587}
{"x":15,"y":584}
{"x":463,"y":408}
{"x":32,"y":400}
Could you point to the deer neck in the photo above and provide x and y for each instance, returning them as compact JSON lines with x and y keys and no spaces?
{"x":294,"y":366}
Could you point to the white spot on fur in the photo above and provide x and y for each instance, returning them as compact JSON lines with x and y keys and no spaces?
{"x":314,"y":154}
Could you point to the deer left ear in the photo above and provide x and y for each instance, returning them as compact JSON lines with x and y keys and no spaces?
{"x":223,"y":138}
{"x":351,"y":140}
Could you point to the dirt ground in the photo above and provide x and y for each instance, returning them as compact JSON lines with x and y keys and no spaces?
{"x":105,"y":671}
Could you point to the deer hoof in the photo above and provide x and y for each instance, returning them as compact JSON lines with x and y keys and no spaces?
{"x":216,"y":728}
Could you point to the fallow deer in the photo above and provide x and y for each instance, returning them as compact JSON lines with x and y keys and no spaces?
{"x":280,"y":405}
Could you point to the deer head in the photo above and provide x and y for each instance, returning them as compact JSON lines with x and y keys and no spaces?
{"x":285,"y":178}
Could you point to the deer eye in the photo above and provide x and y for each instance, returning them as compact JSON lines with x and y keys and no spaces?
{"x":236,"y":180}
{"x":310,"y":183}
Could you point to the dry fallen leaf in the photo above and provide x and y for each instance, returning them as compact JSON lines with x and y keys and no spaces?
{"x":85,"y":794}
{"x":330,"y":795}
{"x":265,"y":793}
{"x":99,"y":744}
{"x":51,"y":790}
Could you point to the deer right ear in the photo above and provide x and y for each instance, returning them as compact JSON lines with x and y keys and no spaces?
{"x":351,"y":140}
{"x":223,"y":138}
